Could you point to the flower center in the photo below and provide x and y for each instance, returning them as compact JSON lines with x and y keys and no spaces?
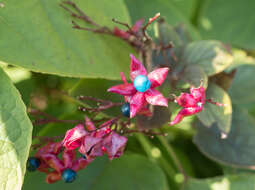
{"x":199,"y":104}
{"x":142,"y":83}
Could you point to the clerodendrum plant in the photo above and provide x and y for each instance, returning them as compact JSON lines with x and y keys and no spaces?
{"x":172,"y":81}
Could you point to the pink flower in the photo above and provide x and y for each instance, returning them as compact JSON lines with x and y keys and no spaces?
{"x":192,"y":103}
{"x":74,"y":136}
{"x":101,"y":141}
{"x":142,"y":91}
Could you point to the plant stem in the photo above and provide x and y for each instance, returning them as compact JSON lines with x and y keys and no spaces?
{"x":145,"y":143}
{"x":172,"y":154}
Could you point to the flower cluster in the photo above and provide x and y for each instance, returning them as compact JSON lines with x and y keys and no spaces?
{"x":47,"y":160}
{"x":92,"y":143}
{"x":95,"y":142}
{"x":142,"y":91}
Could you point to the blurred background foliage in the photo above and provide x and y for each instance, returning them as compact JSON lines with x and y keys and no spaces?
{"x":50,"y":64}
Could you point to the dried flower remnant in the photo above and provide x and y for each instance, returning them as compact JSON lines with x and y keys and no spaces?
{"x":192,"y":103}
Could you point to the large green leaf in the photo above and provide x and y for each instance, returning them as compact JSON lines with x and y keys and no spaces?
{"x":128,"y":172}
{"x":15,"y":136}
{"x":242,"y":89}
{"x":237,"y":149}
{"x":231,"y":22}
{"x":38,"y":35}
{"x":146,"y":9}
{"x":211,"y":55}
{"x":212,"y":114}
{"x":228,"y":182}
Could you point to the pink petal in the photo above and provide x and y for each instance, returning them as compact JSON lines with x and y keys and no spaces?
{"x":74,"y":136}
{"x":80,"y":164}
{"x":52,"y":148}
{"x":53,"y":177}
{"x":123,"y":89}
{"x":68,"y":158}
{"x":138,"y":25}
{"x":53,"y":161}
{"x":186,"y":100}
{"x":158,"y":76}
{"x":113,"y":144}
{"x":88,"y":143}
{"x":198,"y":94}
{"x":123,"y":78}
{"x":120,"y":33}
{"x":136,"y":68}
{"x":185,"y":112}
{"x":155,"y":98}
{"x":96,"y":151}
{"x":89,"y":124}
{"x":136,"y":103}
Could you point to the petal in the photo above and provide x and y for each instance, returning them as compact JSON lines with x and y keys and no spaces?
{"x":89,"y":124}
{"x":120,"y":33}
{"x":154,"y":97}
{"x":96,"y":151}
{"x":74,"y":136}
{"x":198,"y":94}
{"x":123,"y":78}
{"x":88,"y":143}
{"x":158,"y":76}
{"x":113,"y":143}
{"x":136,"y":68}
{"x":53,"y":177}
{"x":52,"y":148}
{"x":136,"y":103}
{"x":138,"y":25}
{"x":185,"y":112}
{"x":68,"y":158}
{"x":186,"y":100}
{"x":80,"y":164}
{"x":53,"y":161}
{"x":123,"y":89}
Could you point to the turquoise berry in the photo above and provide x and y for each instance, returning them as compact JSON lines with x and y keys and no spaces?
{"x":32,"y":164}
{"x":125,"y":109}
{"x":142,"y":83}
{"x":68,"y":175}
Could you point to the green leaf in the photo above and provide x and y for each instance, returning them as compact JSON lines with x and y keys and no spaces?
{"x":232,"y":23}
{"x":237,"y":149}
{"x":228,"y":182}
{"x":193,"y":75}
{"x":15,"y":135}
{"x":212,"y":114}
{"x":242,"y":89}
{"x":38,"y":36}
{"x":128,"y":172}
{"x":147,"y":9}
{"x":211,"y":55}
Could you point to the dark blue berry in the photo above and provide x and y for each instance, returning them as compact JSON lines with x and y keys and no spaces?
{"x":84,"y":156}
{"x":142,"y":83}
{"x":125,"y":109}
{"x":32,"y":164}
{"x":68,"y":175}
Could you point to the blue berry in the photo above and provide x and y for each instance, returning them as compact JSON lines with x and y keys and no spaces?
{"x":125,"y":109}
{"x":142,"y":83}
{"x":68,"y":175}
{"x":32,"y":164}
